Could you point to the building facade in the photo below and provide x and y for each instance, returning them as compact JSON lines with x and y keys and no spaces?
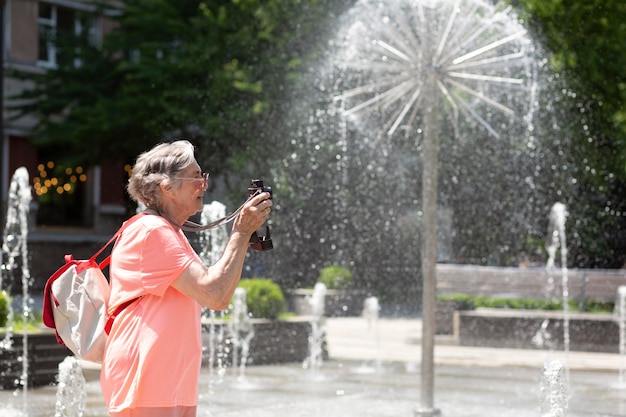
{"x":74,"y":209}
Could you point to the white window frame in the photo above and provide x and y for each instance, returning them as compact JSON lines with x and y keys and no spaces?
{"x":52,"y":22}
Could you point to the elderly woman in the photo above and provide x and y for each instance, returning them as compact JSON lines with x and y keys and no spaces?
{"x":152,"y":358}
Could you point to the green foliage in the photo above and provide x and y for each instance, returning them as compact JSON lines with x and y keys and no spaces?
{"x":592,"y":306}
{"x":586,"y":42}
{"x":264,"y":298}
{"x":335,"y":277}
{"x":517,"y":303}
{"x":33,"y":320}
{"x":4,"y":308}
{"x":483,"y":301}
{"x":462,"y":301}
{"x":207,"y":71}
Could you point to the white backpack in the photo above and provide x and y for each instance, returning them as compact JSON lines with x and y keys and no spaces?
{"x":75,"y":303}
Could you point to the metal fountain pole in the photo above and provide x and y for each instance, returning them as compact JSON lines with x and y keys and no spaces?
{"x":430,"y":148}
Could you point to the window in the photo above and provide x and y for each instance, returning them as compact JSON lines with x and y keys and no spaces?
{"x":54,"y":22}
{"x":63,"y":194}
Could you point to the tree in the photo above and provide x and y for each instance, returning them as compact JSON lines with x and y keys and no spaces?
{"x":587,"y":44}
{"x":209,"y":71}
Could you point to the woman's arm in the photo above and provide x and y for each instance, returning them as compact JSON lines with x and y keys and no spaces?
{"x":214,"y":286}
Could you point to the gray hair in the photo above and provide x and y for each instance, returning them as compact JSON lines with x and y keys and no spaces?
{"x":158,"y":165}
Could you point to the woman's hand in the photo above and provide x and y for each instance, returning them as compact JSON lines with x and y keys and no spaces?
{"x":253,"y":214}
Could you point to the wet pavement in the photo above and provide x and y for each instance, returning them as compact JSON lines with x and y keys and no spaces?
{"x":373,"y":369}
{"x":399,"y":340}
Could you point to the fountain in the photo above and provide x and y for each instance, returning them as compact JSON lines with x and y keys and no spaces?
{"x":543,"y":338}
{"x":241,"y":332}
{"x":413,"y":62}
{"x":558,"y":216}
{"x":371,"y":309}
{"x":216,"y":346}
{"x":15,"y":248}
{"x":553,"y":393}
{"x":459,"y":72}
{"x":71,"y":395}
{"x":316,"y":337}
{"x":212,"y":241}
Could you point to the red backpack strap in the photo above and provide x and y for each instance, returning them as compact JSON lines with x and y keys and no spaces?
{"x":109,"y":323}
{"x":106,"y":261}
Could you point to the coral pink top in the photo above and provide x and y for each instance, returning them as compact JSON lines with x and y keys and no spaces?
{"x":153,"y":353}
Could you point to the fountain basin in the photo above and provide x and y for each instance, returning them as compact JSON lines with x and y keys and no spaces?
{"x":506,"y":328}
{"x":44,"y":356}
{"x":277,"y":342}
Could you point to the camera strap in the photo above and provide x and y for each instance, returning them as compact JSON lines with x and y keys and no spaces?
{"x":190,"y":226}
{"x":194,"y":227}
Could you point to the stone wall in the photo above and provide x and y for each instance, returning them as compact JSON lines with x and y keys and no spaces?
{"x":524,"y":329}
{"x":536,"y":282}
{"x":44,"y":356}
{"x":274,"y":342}
{"x":280,"y":342}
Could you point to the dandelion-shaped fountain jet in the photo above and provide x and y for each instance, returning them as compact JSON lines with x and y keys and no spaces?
{"x":410,"y":65}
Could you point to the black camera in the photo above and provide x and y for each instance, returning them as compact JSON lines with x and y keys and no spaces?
{"x":256,"y":186}
{"x":260,"y":243}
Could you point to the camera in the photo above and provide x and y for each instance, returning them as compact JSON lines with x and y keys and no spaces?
{"x":256,"y":186}
{"x":260,"y":243}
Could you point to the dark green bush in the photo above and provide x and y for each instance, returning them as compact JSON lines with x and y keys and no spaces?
{"x":264,"y":298}
{"x":463,"y":301}
{"x":4,"y":309}
{"x":335,"y":277}
{"x":485,"y":301}
{"x":592,"y":306}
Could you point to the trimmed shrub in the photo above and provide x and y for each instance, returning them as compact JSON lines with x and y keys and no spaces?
{"x":264,"y":298}
{"x":484,"y":301}
{"x":335,"y":277}
{"x":4,"y":309}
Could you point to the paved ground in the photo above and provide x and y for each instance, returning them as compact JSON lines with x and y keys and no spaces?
{"x":400,"y":340}
{"x":374,"y":371}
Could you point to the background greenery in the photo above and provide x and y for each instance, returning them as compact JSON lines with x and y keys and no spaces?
{"x":264,"y":298}
{"x":586,"y":40}
{"x":4,"y":308}
{"x":335,"y":277}
{"x":209,"y":71}
{"x":470,"y":302}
